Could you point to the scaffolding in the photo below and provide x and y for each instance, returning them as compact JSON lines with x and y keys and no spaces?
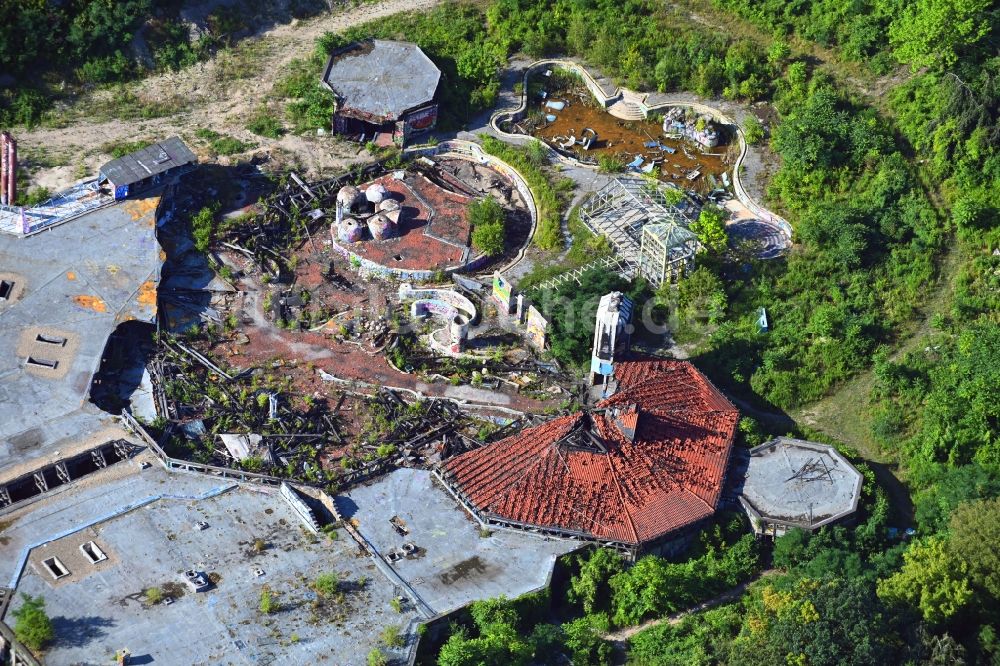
{"x":645,"y":230}
{"x":82,"y":198}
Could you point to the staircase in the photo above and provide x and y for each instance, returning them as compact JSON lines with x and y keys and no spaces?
{"x":626,"y":110}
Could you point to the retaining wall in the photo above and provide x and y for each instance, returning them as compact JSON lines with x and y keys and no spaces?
{"x":639,"y":99}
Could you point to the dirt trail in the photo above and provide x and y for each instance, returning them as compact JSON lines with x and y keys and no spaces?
{"x":623,"y":635}
{"x":219,"y":94}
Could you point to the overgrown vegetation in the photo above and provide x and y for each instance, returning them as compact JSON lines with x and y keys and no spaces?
{"x":32,"y":625}
{"x":602,"y":592}
{"x":487,"y":219}
{"x":46,"y":45}
{"x":529,"y":161}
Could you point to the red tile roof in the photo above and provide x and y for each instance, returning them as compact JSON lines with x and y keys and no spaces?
{"x":670,"y":476}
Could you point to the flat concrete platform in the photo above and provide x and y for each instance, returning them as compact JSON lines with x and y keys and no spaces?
{"x":100,"y":608}
{"x":455,"y":563}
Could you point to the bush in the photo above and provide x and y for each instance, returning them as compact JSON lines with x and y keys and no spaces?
{"x":326,"y":584}
{"x":267,"y":604}
{"x":392,"y":636}
{"x":203,"y":226}
{"x":753,"y":130}
{"x":264,"y":123}
{"x":548,"y":234}
{"x":154,"y":595}
{"x":32,"y":625}
{"x":488,"y":233}
{"x":610,"y":164}
{"x":377,"y":658}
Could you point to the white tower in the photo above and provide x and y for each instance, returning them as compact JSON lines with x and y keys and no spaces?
{"x":611,"y":335}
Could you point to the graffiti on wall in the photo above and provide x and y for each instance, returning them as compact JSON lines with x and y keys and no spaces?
{"x":501,"y":293}
{"x":536,"y":327}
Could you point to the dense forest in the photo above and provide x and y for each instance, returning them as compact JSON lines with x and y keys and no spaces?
{"x":891,"y":185}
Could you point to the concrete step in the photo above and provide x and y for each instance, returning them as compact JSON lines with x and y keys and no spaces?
{"x":626,"y":110}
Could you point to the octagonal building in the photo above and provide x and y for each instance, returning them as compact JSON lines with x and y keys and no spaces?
{"x":384,"y":91}
{"x":794,"y":483}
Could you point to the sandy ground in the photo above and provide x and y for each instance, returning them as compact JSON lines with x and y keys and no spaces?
{"x":212,"y":98}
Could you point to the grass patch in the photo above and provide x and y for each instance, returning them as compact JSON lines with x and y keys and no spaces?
{"x":221,"y":144}
{"x":122,"y":148}
{"x":124,"y":104}
{"x":266,"y":124}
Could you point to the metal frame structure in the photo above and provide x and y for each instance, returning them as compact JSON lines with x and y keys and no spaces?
{"x":648,"y":234}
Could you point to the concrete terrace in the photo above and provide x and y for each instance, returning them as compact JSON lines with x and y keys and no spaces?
{"x":100,"y":608}
{"x":145,"y":522}
{"x":69,"y":288}
{"x":455,"y":563}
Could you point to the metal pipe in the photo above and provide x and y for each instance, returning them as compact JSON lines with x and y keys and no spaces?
{"x":3,"y":168}
{"x":12,"y":167}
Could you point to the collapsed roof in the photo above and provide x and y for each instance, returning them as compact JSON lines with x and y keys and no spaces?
{"x":649,"y":460}
{"x":380,"y":80}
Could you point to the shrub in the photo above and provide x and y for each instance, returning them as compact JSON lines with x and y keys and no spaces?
{"x":203,"y":226}
{"x":753,"y":130}
{"x":326,"y":584}
{"x":610,"y":164}
{"x":32,"y":625}
{"x":488,"y":233}
{"x":548,"y":234}
{"x":154,"y":595}
{"x":392,"y":636}
{"x":377,"y":658}
{"x":264,"y":123}
{"x":268,"y":604}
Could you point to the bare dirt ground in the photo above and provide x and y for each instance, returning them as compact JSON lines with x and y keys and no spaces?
{"x":219,"y":94}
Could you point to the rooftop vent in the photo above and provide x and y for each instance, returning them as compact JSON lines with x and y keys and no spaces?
{"x":43,"y":363}
{"x":51,"y":340}
{"x":93,"y":552}
{"x":55,"y":568}
{"x":6,"y":289}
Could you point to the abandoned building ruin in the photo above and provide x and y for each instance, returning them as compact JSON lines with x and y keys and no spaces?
{"x":638,"y":472}
{"x":145,"y":168}
{"x":384,"y":91}
{"x":650,"y":236}
{"x":792,"y":483}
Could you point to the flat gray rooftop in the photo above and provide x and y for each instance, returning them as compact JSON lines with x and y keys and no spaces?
{"x":795,"y":482}
{"x":381,"y":78}
{"x":100,"y":608}
{"x":149,"y":161}
{"x":67,"y":290}
{"x":455,"y":564}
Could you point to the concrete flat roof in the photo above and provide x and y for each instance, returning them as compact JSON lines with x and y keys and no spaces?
{"x":144,"y":520}
{"x":798,"y":483}
{"x":455,"y":563}
{"x":100,"y":608}
{"x":381,"y":78}
{"x":72,"y":285}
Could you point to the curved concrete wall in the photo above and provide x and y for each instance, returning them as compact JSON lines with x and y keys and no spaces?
{"x":639,"y":99}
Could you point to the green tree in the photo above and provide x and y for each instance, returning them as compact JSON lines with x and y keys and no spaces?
{"x":934,"y":33}
{"x":711,"y":229}
{"x":753,"y":130}
{"x":32,"y":625}
{"x":974,"y":539}
{"x":932,"y":580}
{"x":326,"y":584}
{"x":584,"y":642}
{"x":487,"y":219}
{"x":702,"y":296}
{"x":590,"y":588}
